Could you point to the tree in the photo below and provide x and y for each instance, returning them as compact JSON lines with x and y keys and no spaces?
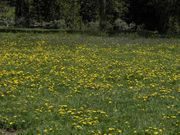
{"x":102,"y":14}
{"x":88,"y":10}
{"x":153,"y":14}
{"x":22,"y":13}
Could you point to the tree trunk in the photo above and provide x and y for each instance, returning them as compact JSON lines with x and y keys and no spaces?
{"x":102,"y":14}
{"x":22,"y":13}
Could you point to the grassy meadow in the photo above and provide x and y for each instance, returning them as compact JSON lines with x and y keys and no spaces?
{"x":73,"y":84}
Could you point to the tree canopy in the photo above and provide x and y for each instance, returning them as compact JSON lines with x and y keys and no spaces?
{"x":155,"y":15}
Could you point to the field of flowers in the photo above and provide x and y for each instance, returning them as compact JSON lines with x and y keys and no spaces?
{"x":72,"y":85}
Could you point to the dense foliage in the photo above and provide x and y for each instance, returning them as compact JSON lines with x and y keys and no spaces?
{"x":111,"y":15}
{"x":154,"y":14}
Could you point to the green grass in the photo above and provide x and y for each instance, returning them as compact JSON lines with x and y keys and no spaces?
{"x":78,"y":84}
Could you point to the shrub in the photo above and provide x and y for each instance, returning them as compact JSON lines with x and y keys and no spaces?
{"x":121,"y":25}
{"x":92,"y":26}
{"x":174,"y":25}
{"x":57,"y":24}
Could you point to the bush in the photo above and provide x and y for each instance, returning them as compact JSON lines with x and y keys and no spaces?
{"x":120,"y":25}
{"x":140,"y":28}
{"x":93,"y":26}
{"x":6,"y":22}
{"x":174,"y":25}
{"x":6,"y":15}
{"x":132,"y":26}
{"x":57,"y":24}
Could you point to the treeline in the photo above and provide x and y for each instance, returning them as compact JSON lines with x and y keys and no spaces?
{"x":106,"y":15}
